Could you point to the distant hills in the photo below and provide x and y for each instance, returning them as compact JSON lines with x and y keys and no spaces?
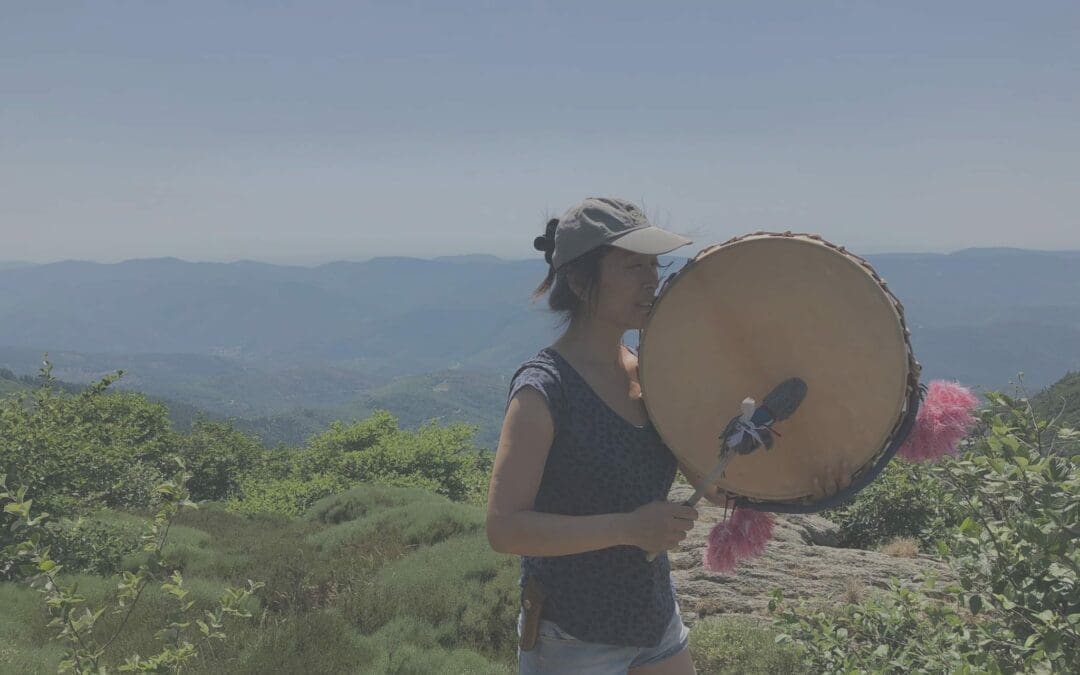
{"x":9,"y":384}
{"x":1061,"y":400}
{"x":286,"y":348}
{"x":388,"y":316}
{"x":13,"y":264}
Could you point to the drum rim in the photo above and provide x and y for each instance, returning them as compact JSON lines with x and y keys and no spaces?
{"x":862,"y":475}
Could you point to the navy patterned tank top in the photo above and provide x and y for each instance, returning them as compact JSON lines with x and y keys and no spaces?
{"x":598,"y":463}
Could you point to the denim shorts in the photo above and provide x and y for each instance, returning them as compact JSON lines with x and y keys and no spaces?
{"x":556,"y":651}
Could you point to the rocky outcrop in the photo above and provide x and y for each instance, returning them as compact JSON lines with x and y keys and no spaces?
{"x":802,"y":560}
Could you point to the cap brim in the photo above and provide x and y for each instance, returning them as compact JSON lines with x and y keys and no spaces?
{"x":649,"y":240}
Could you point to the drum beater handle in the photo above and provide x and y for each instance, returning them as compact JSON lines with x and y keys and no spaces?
{"x":726,"y":454}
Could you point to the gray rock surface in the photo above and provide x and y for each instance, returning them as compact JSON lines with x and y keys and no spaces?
{"x":802,"y":560}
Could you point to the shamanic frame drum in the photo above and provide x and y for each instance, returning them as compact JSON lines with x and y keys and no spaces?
{"x":743,"y":316}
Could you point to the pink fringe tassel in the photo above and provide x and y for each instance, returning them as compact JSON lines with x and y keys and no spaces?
{"x":742,"y":536}
{"x":944,"y":419}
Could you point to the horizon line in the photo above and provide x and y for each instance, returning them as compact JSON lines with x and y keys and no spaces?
{"x":14,"y":264}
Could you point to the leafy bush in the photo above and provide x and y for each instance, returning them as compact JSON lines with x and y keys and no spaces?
{"x":1060,"y":403}
{"x":1016,"y":555}
{"x":738,"y":645}
{"x":73,"y":451}
{"x":90,"y":544}
{"x":1018,"y":551}
{"x":340,"y":566}
{"x":329,"y":446}
{"x":899,"y":632}
{"x":436,"y":459}
{"x":906,"y":500}
{"x":285,"y":496}
{"x":441,"y":459}
{"x":217,"y":455}
{"x":75,"y":623}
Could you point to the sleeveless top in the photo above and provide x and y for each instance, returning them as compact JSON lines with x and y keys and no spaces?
{"x":598,"y":463}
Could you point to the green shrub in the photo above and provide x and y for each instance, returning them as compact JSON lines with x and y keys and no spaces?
{"x":140,"y":633}
{"x":91,"y":544}
{"x":76,"y":451}
{"x":285,"y":496}
{"x":898,"y":632}
{"x":24,"y":625}
{"x":328,"y":448}
{"x":444,"y":460}
{"x":1016,"y":556}
{"x":89,"y":634}
{"x":436,"y":459}
{"x":217,"y":456}
{"x":738,"y":645}
{"x":1017,"y":553}
{"x":905,"y":500}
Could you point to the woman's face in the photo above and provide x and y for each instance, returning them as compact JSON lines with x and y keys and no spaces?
{"x":627,"y":287}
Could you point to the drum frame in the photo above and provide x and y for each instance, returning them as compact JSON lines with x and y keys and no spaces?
{"x":862,"y":475}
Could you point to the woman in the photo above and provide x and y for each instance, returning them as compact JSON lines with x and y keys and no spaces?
{"x":581,"y":477}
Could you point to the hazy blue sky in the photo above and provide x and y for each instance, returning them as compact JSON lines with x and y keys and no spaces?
{"x":307,"y":132}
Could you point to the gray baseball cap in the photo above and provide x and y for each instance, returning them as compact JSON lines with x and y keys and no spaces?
{"x":600,"y":221}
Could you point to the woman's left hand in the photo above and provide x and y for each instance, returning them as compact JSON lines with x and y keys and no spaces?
{"x":832,"y":479}
{"x":715,"y":495}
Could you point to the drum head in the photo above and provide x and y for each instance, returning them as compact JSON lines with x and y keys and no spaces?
{"x":742,"y":317}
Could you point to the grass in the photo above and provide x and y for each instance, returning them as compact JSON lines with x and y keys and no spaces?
{"x":459,"y":582}
{"x":854,"y":592}
{"x":375,"y":579}
{"x":415,"y":524}
{"x":739,"y":645}
{"x":901,"y":547}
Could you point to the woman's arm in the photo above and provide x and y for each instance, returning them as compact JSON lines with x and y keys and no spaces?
{"x":512,"y":526}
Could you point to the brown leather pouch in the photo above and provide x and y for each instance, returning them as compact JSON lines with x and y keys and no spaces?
{"x":532,"y":604}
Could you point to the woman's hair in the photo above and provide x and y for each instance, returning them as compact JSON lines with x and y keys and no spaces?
{"x":584,"y":270}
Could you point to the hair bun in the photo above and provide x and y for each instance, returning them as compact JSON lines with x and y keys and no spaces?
{"x":546,"y":242}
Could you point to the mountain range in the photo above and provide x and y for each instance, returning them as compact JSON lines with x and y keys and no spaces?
{"x":439,"y":338}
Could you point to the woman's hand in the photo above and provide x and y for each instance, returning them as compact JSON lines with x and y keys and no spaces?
{"x":712,"y":493}
{"x":832,"y":479}
{"x":659,"y":526}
